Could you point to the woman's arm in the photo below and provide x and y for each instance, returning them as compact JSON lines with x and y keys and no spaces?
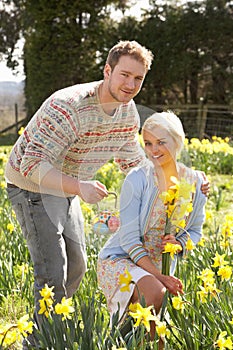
{"x":173,"y":284}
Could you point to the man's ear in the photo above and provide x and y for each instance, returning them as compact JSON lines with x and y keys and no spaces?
{"x":107,"y":71}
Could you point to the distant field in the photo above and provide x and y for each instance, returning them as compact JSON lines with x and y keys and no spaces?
{"x":7,"y":116}
{"x":11,"y":94}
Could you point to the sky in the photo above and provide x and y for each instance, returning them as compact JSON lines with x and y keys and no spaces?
{"x":6,"y":73}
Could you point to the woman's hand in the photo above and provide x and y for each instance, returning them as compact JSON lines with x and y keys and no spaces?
{"x":173,"y":284}
{"x":169,"y":239}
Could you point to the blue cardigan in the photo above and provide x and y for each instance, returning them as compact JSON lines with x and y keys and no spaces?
{"x":137,"y":196}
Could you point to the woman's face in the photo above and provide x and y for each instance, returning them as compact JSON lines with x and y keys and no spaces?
{"x":159,"y":146}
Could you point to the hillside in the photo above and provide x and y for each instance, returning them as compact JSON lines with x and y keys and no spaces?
{"x":11,"y":93}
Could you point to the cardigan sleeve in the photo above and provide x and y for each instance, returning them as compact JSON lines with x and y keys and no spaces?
{"x":197,"y":218}
{"x":130,"y":206}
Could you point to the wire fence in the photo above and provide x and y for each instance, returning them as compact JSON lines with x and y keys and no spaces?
{"x":201,"y":121}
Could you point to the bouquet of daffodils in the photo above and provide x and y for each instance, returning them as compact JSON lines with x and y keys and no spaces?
{"x":178,"y":200}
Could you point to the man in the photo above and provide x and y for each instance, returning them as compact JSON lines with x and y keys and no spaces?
{"x":52,"y":164}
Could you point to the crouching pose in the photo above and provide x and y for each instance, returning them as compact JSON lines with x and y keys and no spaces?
{"x":138,"y":244}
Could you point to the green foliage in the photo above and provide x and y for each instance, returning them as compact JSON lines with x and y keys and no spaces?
{"x":191,"y":52}
{"x":10,"y":31}
{"x":63,"y":41}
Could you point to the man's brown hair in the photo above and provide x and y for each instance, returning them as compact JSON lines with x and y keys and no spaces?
{"x":132,"y":49}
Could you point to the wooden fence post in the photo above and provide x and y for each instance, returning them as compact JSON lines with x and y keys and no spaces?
{"x":16,"y":120}
{"x":199,"y":117}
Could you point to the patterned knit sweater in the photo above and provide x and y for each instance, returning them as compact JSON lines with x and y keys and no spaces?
{"x":72,"y":133}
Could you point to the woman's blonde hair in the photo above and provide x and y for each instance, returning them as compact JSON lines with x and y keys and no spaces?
{"x":170,"y":122}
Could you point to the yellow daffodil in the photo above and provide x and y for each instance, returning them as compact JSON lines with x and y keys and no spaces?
{"x":224,"y":343}
{"x":225,"y":272}
{"x":201,"y":243}
{"x":178,"y":200}
{"x":208,"y":215}
{"x":207,"y":275}
{"x":65,"y":308}
{"x":24,"y":326}
{"x":162,"y":330}
{"x":208,"y":290}
{"x":3,"y":184}
{"x":178,"y":303}
{"x":202,"y":295}
{"x":172,"y":249}
{"x":10,"y":227}
{"x":189,"y":244}
{"x":178,"y":223}
{"x":182,"y":187}
{"x":45,"y":306}
{"x":224,"y":244}
{"x":219,"y":260}
{"x":142,"y":315}
{"x":125,"y":280}
{"x":3,"y":157}
{"x":21,"y":130}
{"x":227,"y":227}
{"x":168,"y":197}
{"x":24,"y":268}
{"x":216,"y":146}
{"x":47,"y":292}
{"x":9,"y":334}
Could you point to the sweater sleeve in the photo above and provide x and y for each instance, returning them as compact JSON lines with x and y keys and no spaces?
{"x":47,"y":138}
{"x":130,"y":206}
{"x":197,"y":218}
{"x":131,"y":154}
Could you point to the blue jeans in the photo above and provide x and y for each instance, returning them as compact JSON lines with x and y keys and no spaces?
{"x":54,"y":230}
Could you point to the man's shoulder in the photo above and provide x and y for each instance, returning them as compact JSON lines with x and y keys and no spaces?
{"x":83,"y":90}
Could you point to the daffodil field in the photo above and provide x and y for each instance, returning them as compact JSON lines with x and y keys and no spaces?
{"x":201,"y":318}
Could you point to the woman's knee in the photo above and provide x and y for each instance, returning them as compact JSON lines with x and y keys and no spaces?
{"x":152,"y":290}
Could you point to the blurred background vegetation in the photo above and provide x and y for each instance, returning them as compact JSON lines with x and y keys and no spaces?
{"x":66,"y":42}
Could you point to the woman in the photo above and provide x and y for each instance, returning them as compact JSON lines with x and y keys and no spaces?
{"x":138,"y":244}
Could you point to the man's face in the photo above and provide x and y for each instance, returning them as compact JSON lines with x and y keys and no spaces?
{"x":125,"y":80}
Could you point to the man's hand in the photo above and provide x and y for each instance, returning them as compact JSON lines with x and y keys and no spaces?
{"x":91,"y":191}
{"x":205,"y":187}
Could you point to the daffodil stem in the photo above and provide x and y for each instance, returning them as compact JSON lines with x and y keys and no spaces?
{"x":166,"y":261}
{"x":168,"y":225}
{"x":164,"y":306}
{"x":166,"y":264}
{"x":166,"y":256}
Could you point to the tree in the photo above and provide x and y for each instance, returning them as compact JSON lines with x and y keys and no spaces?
{"x":9,"y":31}
{"x":64,"y":44}
{"x":192,"y":45}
